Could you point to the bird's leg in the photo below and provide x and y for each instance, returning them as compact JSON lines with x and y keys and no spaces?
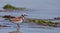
{"x":18,"y":26}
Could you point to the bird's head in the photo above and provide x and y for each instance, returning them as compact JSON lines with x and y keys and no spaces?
{"x":24,"y":14}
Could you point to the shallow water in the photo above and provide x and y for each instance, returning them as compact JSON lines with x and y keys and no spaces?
{"x":29,"y":28}
{"x":26,"y":28}
{"x":43,"y":9}
{"x":35,"y":14}
{"x":41,"y":14}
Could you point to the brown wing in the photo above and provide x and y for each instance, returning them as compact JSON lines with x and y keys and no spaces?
{"x":15,"y":19}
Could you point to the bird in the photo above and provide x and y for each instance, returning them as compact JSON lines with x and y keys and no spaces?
{"x":18,"y":20}
{"x":15,"y":20}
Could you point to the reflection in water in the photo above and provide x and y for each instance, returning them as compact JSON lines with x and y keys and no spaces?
{"x":17,"y":31}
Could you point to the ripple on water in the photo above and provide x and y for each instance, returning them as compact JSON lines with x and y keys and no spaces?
{"x":29,"y":28}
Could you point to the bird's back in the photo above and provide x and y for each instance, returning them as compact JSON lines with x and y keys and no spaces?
{"x":17,"y":20}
